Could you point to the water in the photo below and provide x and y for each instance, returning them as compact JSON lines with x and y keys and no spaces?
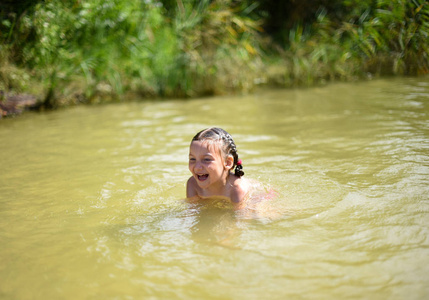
{"x":91,"y":198}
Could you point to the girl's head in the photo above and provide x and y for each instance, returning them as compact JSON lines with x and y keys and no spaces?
{"x":224,"y":142}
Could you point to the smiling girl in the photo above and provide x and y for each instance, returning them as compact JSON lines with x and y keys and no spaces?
{"x":212,"y":158}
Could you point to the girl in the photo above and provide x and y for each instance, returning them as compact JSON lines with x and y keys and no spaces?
{"x":212,"y":158}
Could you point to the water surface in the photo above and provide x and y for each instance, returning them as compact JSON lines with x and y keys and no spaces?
{"x":91,"y":198}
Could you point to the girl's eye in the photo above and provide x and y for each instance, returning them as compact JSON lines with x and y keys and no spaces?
{"x":207,"y":159}
{"x":192,"y":159}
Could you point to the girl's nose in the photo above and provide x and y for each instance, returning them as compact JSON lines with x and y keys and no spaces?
{"x":198,"y":165}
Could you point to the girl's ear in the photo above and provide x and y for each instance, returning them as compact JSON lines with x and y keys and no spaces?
{"x":229,"y":162}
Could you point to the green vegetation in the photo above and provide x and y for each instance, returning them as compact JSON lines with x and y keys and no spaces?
{"x":105,"y":50}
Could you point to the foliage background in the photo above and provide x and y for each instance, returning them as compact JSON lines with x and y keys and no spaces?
{"x":93,"y":51}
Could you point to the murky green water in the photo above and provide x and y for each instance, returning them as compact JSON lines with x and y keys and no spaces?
{"x":90,"y":199}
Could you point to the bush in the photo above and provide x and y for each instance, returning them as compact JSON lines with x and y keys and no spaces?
{"x":110,"y":47}
{"x":102,"y":50}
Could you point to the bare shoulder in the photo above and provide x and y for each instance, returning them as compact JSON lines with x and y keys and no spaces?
{"x":191,"y":188}
{"x":240,"y":189}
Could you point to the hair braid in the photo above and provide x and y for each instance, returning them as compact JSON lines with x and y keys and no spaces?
{"x":232,"y":150}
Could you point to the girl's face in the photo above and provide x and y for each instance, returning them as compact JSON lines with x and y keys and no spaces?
{"x":207,"y":165}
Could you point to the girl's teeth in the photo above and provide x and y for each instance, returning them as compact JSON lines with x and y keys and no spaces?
{"x":203,"y":177}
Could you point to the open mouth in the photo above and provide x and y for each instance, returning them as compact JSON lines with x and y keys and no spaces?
{"x":203,"y":177}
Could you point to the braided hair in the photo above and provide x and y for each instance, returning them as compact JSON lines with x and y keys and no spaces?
{"x":227,"y":145}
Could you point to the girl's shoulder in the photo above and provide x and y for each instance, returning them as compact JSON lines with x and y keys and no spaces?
{"x":191,"y":188}
{"x":191,"y":181}
{"x":244,"y":183}
{"x":240,"y":188}
{"x":252,"y":189}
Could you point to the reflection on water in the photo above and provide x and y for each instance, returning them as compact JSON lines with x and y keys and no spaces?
{"x":91,"y":198}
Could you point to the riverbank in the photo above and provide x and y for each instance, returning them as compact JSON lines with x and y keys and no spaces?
{"x":66,"y":53}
